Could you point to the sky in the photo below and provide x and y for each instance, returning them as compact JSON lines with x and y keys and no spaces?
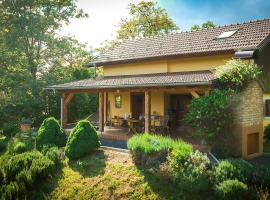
{"x":105,"y":15}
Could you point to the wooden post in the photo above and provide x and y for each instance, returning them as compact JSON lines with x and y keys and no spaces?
{"x":101,"y":111}
{"x":65,"y":100}
{"x":147,"y":101}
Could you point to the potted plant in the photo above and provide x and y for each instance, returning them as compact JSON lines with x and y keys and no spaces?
{"x":25,"y":125}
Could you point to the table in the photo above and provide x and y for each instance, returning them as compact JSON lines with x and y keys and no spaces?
{"x":131,"y":123}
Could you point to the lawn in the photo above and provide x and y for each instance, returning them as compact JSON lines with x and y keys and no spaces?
{"x":106,"y":175}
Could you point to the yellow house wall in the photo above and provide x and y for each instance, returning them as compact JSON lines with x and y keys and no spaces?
{"x":125,"y":108}
{"x":266,"y":120}
{"x":157,"y":103}
{"x":174,"y":65}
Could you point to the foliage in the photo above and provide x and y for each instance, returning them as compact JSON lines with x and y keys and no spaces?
{"x":191,"y":172}
{"x":234,"y":169}
{"x":261,"y":176}
{"x":210,"y":115}
{"x":50,"y":133}
{"x":10,"y":129}
{"x":267,"y":132}
{"x":26,"y":121}
{"x":19,"y":147}
{"x":22,"y":171}
{"x":231,"y":189}
{"x":83,"y":139}
{"x":3,"y":143}
{"x":236,"y":74}
{"x":207,"y":24}
{"x":149,"y":150}
{"x":52,"y":153}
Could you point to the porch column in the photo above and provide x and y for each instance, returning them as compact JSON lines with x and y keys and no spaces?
{"x":65,"y":100}
{"x":147,"y":101}
{"x":101,"y":111}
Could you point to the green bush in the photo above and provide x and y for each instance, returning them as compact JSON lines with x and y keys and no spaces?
{"x":191,"y":172}
{"x":52,"y":153}
{"x":83,"y":139}
{"x":20,"y":147}
{"x":234,"y":169}
{"x":210,"y":115}
{"x":236,"y":74}
{"x":21,"y":171}
{"x":267,"y":132}
{"x":50,"y":133}
{"x":261,"y":176}
{"x":231,"y":189}
{"x":3,"y":143}
{"x":149,"y":149}
{"x":10,"y":129}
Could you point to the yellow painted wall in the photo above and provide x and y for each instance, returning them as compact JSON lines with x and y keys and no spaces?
{"x":125,"y":108}
{"x":157,"y":103}
{"x":266,"y":121}
{"x":174,"y":65}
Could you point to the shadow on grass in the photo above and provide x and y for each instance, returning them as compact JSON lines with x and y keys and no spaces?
{"x":167,"y":189}
{"x":90,"y":165}
{"x":43,"y":188}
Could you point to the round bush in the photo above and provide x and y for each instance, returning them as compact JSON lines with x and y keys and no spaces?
{"x":191,"y":172}
{"x":82,"y":140}
{"x":234,"y":169}
{"x":267,"y":132}
{"x":51,"y":134}
{"x":231,"y":189}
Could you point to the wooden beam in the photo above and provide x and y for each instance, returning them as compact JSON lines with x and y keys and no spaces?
{"x":101,"y":111}
{"x":194,"y":94}
{"x":147,"y":101}
{"x":67,"y":97}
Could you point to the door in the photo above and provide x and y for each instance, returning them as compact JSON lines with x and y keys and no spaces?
{"x":137,"y":105}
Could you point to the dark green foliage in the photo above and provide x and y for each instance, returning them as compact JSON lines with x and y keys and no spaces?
{"x":267,"y":132}
{"x":232,"y":190}
{"x":21,"y":171}
{"x":3,"y":143}
{"x":149,"y":150}
{"x":261,"y":176}
{"x":234,"y":169}
{"x":19,"y":147}
{"x":52,"y":153}
{"x":10,"y":129}
{"x":190,"y":172}
{"x":50,"y":133}
{"x":236,"y":74}
{"x":210,"y":116}
{"x":83,"y":139}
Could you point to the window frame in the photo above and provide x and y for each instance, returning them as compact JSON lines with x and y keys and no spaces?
{"x":264,"y":107}
{"x":116,"y":104}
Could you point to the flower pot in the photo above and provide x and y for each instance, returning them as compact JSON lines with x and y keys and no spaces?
{"x":25,"y":128}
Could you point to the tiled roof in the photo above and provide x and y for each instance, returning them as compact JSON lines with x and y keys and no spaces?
{"x":144,"y":80}
{"x":249,"y":35}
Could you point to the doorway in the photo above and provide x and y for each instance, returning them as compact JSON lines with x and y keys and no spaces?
{"x":137,"y":105}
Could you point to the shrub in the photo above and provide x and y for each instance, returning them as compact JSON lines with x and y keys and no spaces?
{"x":210,"y":116}
{"x":231,"y":189}
{"x":262,"y":176}
{"x":234,"y":169}
{"x":52,"y":153}
{"x":267,"y":132}
{"x":82,"y":140}
{"x":20,"y":147}
{"x":3,"y":143}
{"x":236,"y":74}
{"x":50,"y":133}
{"x":10,"y":129}
{"x":191,"y":172}
{"x":148,"y":149}
{"x":22,"y":171}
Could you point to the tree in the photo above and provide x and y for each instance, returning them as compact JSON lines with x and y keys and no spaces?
{"x":207,"y":24}
{"x":146,"y":19}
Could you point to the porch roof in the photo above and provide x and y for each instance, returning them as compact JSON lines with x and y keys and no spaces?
{"x":144,"y":80}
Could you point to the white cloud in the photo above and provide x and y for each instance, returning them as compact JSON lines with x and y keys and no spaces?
{"x":104,"y":16}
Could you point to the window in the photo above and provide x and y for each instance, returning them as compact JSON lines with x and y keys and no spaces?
{"x":226,"y":34}
{"x":267,"y":108}
{"x":118,"y":101}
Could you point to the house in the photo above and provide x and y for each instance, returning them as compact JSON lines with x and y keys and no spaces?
{"x":160,"y":75}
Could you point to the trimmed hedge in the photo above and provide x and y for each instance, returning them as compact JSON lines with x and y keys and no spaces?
{"x":50,"y":134}
{"x":82,"y":140}
{"x":149,"y":149}
{"x":234,"y":169}
{"x":231,"y":189}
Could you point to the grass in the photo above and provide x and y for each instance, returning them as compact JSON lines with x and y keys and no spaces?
{"x":154,"y":143}
{"x":266,"y":146}
{"x":106,"y":175}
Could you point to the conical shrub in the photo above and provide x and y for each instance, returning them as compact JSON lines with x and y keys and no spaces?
{"x":50,"y":134}
{"x":82,"y":140}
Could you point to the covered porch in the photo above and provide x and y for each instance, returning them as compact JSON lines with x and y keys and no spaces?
{"x":139,"y":103}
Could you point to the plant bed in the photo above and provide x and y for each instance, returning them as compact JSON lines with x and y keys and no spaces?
{"x":149,"y":150}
